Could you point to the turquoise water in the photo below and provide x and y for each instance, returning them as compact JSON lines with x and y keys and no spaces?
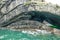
{"x":16,"y":35}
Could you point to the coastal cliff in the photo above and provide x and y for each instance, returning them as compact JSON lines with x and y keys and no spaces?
{"x":13,"y":8}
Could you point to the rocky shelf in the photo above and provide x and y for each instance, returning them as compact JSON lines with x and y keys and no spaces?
{"x":9,"y":14}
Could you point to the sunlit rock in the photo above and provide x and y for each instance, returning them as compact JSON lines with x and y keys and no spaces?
{"x":56,"y":31}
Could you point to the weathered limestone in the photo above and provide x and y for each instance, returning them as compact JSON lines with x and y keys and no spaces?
{"x":31,"y":7}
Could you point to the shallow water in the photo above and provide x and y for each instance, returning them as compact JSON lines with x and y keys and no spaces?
{"x":16,"y":35}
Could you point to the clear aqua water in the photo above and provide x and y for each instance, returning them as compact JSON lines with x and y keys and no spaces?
{"x":16,"y":35}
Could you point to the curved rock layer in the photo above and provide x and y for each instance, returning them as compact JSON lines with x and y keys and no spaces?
{"x":9,"y":12}
{"x":31,"y":15}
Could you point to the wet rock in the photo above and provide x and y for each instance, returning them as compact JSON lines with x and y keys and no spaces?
{"x":27,"y":24}
{"x":56,"y":31}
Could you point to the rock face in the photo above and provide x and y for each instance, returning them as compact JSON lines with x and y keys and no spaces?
{"x":30,"y":7}
{"x":16,"y":7}
{"x":26,"y":24}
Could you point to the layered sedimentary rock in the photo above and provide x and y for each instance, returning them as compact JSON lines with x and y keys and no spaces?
{"x":15,"y":7}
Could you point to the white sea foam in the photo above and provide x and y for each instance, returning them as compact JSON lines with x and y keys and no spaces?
{"x":37,"y":32}
{"x":30,"y":32}
{"x":3,"y":36}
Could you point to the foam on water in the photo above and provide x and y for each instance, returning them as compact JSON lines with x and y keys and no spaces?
{"x":3,"y":36}
{"x":36,"y":32}
{"x":30,"y":32}
{"x":16,"y":35}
